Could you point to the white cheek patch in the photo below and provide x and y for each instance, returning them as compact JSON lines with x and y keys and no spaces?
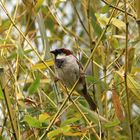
{"x":60,"y":56}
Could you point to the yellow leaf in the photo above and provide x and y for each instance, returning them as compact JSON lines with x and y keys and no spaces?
{"x":38,"y":4}
{"x":73,"y":134}
{"x":42,"y":81}
{"x":134,"y":86}
{"x":116,"y":22}
{"x":7,"y":46}
{"x":42,"y":65}
{"x":135,"y":69}
{"x":58,"y":131}
{"x":43,"y":117}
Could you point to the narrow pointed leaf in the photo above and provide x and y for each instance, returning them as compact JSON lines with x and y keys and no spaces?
{"x":33,"y":87}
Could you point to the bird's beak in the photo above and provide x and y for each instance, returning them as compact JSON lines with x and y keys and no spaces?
{"x":53,"y":52}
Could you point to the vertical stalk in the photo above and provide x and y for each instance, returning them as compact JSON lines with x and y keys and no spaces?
{"x":92,"y":44}
{"x":8,"y":104}
{"x":138,"y":15}
{"x":125,"y":76}
{"x":104,"y":60}
{"x":105,"y":94}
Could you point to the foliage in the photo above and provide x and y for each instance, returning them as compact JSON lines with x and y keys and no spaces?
{"x":103,"y":35}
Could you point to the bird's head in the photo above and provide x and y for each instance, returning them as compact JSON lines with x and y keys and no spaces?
{"x":61,"y":52}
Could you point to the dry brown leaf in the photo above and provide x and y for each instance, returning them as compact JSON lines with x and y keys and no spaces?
{"x":117,"y":106}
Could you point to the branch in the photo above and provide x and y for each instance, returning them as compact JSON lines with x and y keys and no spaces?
{"x":125,"y":76}
{"x":119,"y":9}
{"x":8,"y":104}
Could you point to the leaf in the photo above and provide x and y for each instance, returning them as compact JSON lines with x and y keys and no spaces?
{"x":93,"y":116}
{"x":73,"y":134}
{"x":33,"y":87}
{"x":92,"y":79}
{"x":43,"y":117}
{"x":38,"y":4}
{"x":7,"y":46}
{"x":58,"y":131}
{"x":14,"y":54}
{"x":135,"y":69}
{"x":94,"y":22}
{"x":42,"y":65}
{"x":50,"y":24}
{"x":20,"y":51}
{"x":104,"y":9}
{"x":114,"y":42}
{"x":134,"y":86}
{"x":131,"y":52}
{"x":1,"y":93}
{"x":5,"y":26}
{"x":2,"y":138}
{"x":112,"y":123}
{"x":117,"y":105}
{"x":104,"y":86}
{"x":69,"y":121}
{"x":33,"y":122}
{"x":57,"y":2}
{"x":116,"y":22}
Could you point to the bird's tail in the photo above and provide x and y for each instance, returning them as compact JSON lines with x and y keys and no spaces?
{"x":88,"y":98}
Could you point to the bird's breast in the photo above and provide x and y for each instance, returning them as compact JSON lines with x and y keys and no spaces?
{"x":69,"y":72}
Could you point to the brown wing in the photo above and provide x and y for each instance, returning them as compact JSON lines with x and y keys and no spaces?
{"x":84,"y":92}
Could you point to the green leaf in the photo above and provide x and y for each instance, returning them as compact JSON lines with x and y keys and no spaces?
{"x":116,"y":22}
{"x":104,"y":86}
{"x":131,"y":52}
{"x":94,"y":22}
{"x":57,"y":2}
{"x":14,"y":53}
{"x":20,"y":51}
{"x":50,"y":23}
{"x":33,"y":87}
{"x":92,"y":79}
{"x":33,"y":122}
{"x":69,"y":121}
{"x":113,"y":42}
{"x":58,"y":131}
{"x":1,"y":93}
{"x":104,"y":9}
{"x":112,"y":123}
{"x":2,"y":138}
{"x":38,"y":4}
{"x":134,"y":86}
{"x":93,"y":116}
{"x":5,"y":26}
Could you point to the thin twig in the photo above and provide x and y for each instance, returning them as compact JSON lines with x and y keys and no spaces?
{"x":65,"y":29}
{"x":85,"y":118}
{"x":119,"y":9}
{"x":80,"y":18}
{"x":8,"y":104}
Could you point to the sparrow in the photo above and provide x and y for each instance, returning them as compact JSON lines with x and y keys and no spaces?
{"x":68,"y":70}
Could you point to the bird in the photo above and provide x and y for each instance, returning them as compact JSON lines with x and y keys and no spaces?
{"x":68,"y":70}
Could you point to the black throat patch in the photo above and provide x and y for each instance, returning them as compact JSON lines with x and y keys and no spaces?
{"x":59,"y":62}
